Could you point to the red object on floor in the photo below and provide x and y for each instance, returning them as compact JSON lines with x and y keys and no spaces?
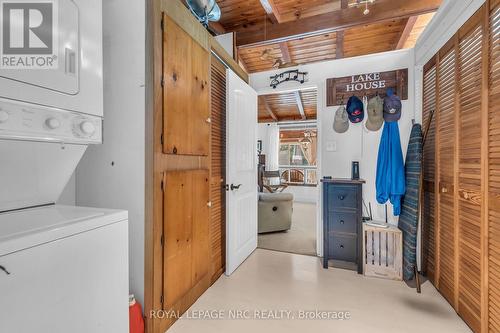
{"x":136,"y":321}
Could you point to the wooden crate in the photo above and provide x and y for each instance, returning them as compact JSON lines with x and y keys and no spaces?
{"x":383,"y":252}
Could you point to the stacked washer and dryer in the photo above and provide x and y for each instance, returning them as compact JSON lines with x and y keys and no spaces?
{"x":62,"y":268}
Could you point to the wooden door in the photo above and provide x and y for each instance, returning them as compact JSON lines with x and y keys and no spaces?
{"x":493,"y":171}
{"x":186,"y":101}
{"x":469,"y":195}
{"x":218,"y":168}
{"x":186,"y":219}
{"x":429,"y":172}
{"x":446,"y":113}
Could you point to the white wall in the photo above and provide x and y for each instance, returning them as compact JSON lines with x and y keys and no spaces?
{"x":357,"y":144}
{"x":111,"y":175}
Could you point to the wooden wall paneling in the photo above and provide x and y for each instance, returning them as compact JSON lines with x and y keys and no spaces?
{"x":218,"y":168}
{"x":429,"y":174}
{"x":447,"y":128}
{"x":494,"y":169}
{"x":468,"y":196}
{"x":186,"y":93}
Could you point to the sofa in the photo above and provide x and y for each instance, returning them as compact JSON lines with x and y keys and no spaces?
{"x":275,"y":212}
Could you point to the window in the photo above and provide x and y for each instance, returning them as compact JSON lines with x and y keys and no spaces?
{"x":297,"y":156}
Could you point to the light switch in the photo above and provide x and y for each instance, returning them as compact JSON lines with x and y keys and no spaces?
{"x":331,"y":146}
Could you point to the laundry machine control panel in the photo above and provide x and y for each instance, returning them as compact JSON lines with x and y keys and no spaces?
{"x":20,"y":121}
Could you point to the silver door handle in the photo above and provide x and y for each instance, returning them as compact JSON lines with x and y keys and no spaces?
{"x":4,"y":269}
{"x":235,"y":187}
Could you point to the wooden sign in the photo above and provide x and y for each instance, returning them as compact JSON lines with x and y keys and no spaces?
{"x":338,"y":90}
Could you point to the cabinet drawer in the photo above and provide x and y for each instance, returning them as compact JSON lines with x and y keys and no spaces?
{"x":342,"y":197}
{"x":342,"y":248}
{"x":343,"y":222}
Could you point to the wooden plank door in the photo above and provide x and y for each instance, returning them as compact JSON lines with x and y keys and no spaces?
{"x":241,"y":166}
{"x":186,"y":126}
{"x":446,"y":88}
{"x":186,"y":249}
{"x":470,"y":198}
{"x":218,"y":168}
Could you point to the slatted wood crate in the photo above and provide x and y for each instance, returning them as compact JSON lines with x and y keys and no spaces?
{"x":382,"y":252}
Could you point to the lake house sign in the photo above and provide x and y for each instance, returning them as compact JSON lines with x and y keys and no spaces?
{"x":340,"y":89}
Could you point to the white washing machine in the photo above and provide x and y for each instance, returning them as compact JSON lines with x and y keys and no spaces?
{"x":62,"y":268}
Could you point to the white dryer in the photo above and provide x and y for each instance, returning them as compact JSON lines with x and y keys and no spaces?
{"x":62,"y":268}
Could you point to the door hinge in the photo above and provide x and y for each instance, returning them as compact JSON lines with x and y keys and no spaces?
{"x":161,"y":138}
{"x":162,"y":81}
{"x":161,"y":299}
{"x":162,"y":240}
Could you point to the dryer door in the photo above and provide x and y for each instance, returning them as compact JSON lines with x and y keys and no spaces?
{"x":64,"y":78}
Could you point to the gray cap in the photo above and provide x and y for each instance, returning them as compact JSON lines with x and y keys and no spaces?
{"x":341,"y":121}
{"x":375,"y":113}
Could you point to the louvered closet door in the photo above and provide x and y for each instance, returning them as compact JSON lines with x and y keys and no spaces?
{"x":218,"y":170}
{"x":494,"y":170}
{"x":469,"y":197}
{"x":429,"y":173}
{"x":446,"y":87}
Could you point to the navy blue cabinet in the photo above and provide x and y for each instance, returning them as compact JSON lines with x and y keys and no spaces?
{"x":342,"y":223}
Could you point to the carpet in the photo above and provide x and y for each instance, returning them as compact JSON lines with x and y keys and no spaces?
{"x":300,"y":239}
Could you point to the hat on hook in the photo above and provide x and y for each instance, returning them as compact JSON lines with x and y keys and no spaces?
{"x":341,"y":120}
{"x":392,"y":107}
{"x":375,"y":110}
{"x":355,"y":110}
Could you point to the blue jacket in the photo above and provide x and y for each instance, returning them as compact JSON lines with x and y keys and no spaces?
{"x":390,"y":183}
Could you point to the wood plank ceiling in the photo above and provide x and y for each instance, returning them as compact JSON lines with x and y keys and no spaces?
{"x":274,"y":33}
{"x":290,"y":106}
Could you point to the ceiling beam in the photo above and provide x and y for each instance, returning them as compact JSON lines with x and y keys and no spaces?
{"x":285,"y":52}
{"x":271,"y":10}
{"x":263,"y":100}
{"x":410,"y":23}
{"x":339,"y":44}
{"x":382,"y":10}
{"x":300,"y":105}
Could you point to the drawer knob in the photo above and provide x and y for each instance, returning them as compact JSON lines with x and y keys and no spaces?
{"x":342,"y":222}
{"x":341,"y":197}
{"x":341,"y":246}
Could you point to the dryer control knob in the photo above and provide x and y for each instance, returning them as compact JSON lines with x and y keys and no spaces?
{"x":53,"y":123}
{"x":87,"y":127}
{"x":4,"y":116}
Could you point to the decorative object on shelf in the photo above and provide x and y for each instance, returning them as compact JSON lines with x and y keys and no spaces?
{"x":355,"y":170}
{"x":355,"y":110}
{"x":293,"y":75}
{"x":341,"y":120}
{"x":205,"y":10}
{"x":360,"y":3}
{"x":338,"y":90}
{"x":392,"y":107}
{"x":375,"y":110}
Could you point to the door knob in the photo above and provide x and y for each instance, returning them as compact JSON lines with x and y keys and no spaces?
{"x":235,"y":187}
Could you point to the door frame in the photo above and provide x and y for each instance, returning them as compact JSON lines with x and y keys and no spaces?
{"x":319,"y":106}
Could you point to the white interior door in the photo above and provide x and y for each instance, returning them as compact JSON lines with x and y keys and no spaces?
{"x":241,"y":172}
